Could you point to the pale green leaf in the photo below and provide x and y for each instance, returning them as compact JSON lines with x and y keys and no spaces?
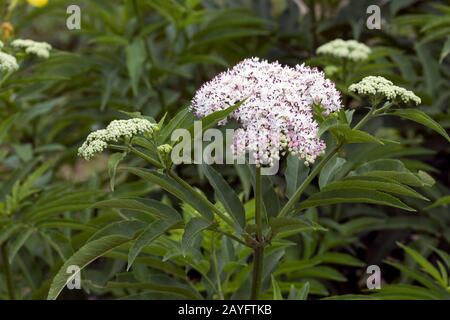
{"x":83,"y":257}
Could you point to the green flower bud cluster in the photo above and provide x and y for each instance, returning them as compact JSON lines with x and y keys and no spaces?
{"x":164,"y":153}
{"x":165,"y":148}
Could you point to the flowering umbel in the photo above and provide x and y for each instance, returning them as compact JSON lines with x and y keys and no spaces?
{"x":8,"y":63}
{"x":379,"y":87}
{"x":345,"y":49}
{"x":277,"y":114}
{"x":97,"y":141}
{"x":40,"y":49}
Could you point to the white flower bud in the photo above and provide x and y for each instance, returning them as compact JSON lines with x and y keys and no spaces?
{"x":40,"y":49}
{"x":8,"y":62}
{"x":350,"y":49}
{"x":375,"y":85}
{"x":97,"y":141}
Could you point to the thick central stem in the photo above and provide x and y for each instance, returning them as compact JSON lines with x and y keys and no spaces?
{"x":258,"y":251}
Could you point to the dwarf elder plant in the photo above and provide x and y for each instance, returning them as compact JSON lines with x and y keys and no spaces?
{"x":291,"y":115}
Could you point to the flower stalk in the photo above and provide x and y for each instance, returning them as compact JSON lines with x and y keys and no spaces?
{"x":258,"y":250}
{"x":298,"y":193}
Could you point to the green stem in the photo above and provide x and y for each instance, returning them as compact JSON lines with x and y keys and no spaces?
{"x":258,"y":216}
{"x":258,"y":251}
{"x":140,"y":154}
{"x":146,"y":157}
{"x":6,"y":77}
{"x":231,"y":236}
{"x":384,"y":108}
{"x":258,"y":258}
{"x":298,"y":193}
{"x":7,"y":272}
{"x":366,"y":118}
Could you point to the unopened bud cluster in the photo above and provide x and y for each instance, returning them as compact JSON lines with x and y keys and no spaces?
{"x":165,"y":148}
{"x":379,"y":87}
{"x":97,"y":141}
{"x":8,"y":63}
{"x":350,"y":49}
{"x":40,"y":49}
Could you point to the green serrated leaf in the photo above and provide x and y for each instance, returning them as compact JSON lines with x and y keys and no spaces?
{"x":443,"y":201}
{"x":174,"y":188}
{"x":83,"y":257}
{"x":422,"y":118}
{"x":286,"y":226}
{"x":225,"y":194}
{"x":356,"y":136}
{"x":423,"y":262}
{"x":193,"y":229}
{"x":353,"y":195}
{"x":296,"y":172}
{"x":135,"y":53}
{"x":329,"y":171}
{"x":147,"y":206}
{"x":374,"y":183}
{"x":150,"y":233}
{"x":276,"y":289}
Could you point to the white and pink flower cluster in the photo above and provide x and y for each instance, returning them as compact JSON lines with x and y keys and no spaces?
{"x":277,"y":115}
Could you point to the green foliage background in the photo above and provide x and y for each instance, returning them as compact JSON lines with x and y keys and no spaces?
{"x":150,"y":56}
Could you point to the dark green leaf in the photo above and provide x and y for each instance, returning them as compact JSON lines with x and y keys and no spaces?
{"x":422,"y":118}
{"x":153,"y":231}
{"x":192,"y":229}
{"x":354,"y":195}
{"x":174,"y":188}
{"x":83,"y":257}
{"x":329,"y":171}
{"x":135,"y":62}
{"x":296,"y":172}
{"x":225,"y":194}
